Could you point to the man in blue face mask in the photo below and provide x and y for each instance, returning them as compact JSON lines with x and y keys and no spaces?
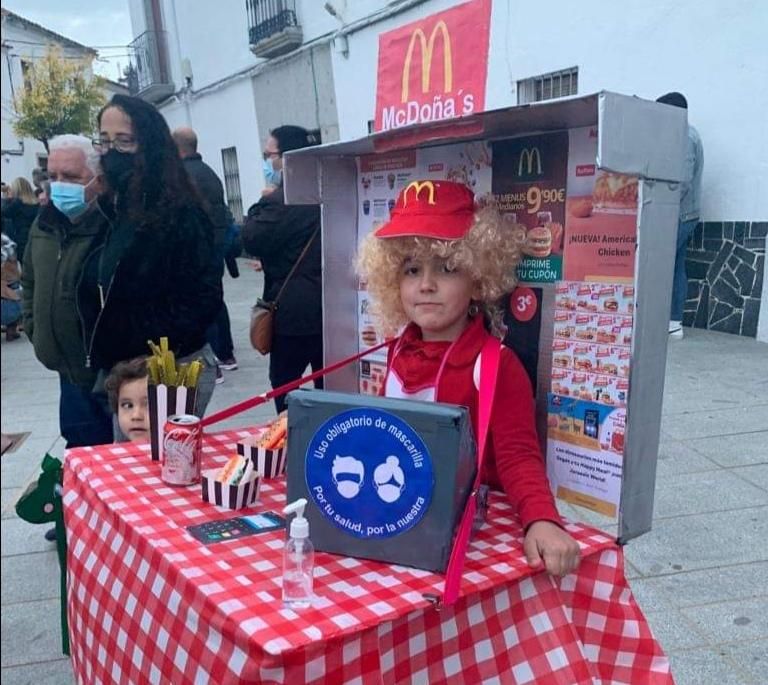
{"x":67,"y":230}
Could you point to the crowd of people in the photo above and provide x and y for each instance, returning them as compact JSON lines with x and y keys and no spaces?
{"x":124,"y":239}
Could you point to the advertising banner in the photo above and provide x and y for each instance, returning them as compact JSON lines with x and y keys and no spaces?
{"x":529,"y":186}
{"x":601,"y":221}
{"x":435,"y":68}
{"x":585,"y":452}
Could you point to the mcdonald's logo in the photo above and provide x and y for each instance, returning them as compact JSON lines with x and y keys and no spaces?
{"x":527,"y":156}
{"x":418,"y":186}
{"x":427,"y":51}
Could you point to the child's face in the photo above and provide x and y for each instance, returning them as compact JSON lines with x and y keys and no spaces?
{"x":132,"y":415}
{"x":435,"y":297}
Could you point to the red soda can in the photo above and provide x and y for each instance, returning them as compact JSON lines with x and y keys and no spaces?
{"x":182,"y":447}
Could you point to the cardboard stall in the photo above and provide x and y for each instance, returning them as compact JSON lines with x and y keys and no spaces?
{"x":591,"y":184}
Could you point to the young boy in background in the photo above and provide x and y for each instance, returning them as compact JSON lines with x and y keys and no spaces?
{"x":127,"y":391}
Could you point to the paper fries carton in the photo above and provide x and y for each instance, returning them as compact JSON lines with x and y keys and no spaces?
{"x":240,"y":496}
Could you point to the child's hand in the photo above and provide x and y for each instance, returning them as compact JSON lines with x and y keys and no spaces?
{"x":548,"y":544}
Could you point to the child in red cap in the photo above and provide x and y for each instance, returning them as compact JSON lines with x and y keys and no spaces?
{"x":438,"y":268}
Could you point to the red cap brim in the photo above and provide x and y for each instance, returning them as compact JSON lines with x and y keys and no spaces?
{"x":448,"y":227}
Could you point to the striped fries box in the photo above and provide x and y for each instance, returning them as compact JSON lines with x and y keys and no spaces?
{"x":165,"y":401}
{"x":269,"y":463}
{"x":230,"y":496}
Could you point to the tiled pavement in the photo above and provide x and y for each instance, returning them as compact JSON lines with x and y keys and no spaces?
{"x":701,"y":574}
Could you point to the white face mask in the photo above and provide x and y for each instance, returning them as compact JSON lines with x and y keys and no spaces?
{"x":348,"y":488}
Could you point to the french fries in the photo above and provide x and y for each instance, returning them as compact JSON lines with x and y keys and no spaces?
{"x":163,"y":370}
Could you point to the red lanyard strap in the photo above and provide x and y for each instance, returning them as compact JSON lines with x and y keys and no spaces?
{"x":490,"y":358}
{"x":267,"y":396}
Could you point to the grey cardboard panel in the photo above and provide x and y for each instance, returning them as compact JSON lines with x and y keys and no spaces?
{"x":339,"y":217}
{"x":654,"y":263}
{"x":301,"y":179}
{"x":640,"y":137}
{"x":447,"y":434}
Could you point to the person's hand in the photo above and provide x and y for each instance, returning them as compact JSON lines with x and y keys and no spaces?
{"x":268,"y":190}
{"x":548,"y":545}
{"x":256,"y":265}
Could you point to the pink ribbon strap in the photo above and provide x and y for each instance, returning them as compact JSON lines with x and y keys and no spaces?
{"x":490,"y":357}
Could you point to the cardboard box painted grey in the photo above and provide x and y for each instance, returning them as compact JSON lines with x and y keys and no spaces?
{"x":384,"y":479}
{"x":636,"y":137}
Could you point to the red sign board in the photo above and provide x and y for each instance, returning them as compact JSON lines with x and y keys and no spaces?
{"x":434,"y":68}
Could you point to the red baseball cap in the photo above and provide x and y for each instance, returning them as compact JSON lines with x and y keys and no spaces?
{"x":442,"y":210}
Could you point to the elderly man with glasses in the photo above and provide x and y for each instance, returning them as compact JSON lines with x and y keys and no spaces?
{"x":67,"y":230}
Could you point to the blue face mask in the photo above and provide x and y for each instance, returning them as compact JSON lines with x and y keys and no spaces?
{"x":69,"y":198}
{"x":271,"y":175}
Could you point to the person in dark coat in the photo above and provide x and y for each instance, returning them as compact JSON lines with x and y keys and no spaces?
{"x":21,"y":210}
{"x":276,"y":234}
{"x":157,"y":273}
{"x":210,"y":189}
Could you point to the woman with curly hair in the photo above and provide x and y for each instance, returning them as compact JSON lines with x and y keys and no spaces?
{"x":439,"y":268}
{"x":156,"y":273}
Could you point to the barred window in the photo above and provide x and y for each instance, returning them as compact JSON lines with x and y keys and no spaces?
{"x":232,"y":182}
{"x":557,"y":84}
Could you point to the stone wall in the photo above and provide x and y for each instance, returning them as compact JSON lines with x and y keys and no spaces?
{"x":726,"y":266}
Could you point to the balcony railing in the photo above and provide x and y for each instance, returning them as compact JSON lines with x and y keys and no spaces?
{"x":150,"y":76}
{"x":273,"y":28}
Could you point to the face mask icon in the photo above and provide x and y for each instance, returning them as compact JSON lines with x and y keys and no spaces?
{"x":389,"y":480}
{"x":347,"y":474}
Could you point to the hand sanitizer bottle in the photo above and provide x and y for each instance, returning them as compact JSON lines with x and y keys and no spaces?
{"x":298,"y":560}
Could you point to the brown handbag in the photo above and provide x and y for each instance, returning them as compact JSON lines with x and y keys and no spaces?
{"x":263,"y":312}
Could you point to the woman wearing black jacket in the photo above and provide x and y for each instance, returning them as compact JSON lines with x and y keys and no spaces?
{"x":277,"y":233}
{"x":156,"y":273}
{"x":21,"y":210}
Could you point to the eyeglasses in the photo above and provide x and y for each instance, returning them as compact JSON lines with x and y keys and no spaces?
{"x":269,"y":155}
{"x":103,"y":145}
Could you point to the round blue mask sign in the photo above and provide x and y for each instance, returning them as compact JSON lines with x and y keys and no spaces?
{"x":369,"y":473}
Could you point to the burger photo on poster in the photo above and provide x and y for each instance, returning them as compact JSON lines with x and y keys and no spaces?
{"x":538,"y":242}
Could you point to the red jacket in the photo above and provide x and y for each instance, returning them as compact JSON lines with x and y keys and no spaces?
{"x":513,"y":461}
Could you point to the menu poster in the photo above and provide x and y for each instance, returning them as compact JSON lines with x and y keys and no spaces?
{"x":529,"y":187}
{"x":467,"y":163}
{"x":372,"y":375}
{"x":380,"y":180}
{"x":585,"y":449}
{"x":601,"y":216}
{"x":366,"y":332}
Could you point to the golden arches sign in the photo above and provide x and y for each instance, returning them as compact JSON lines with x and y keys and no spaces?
{"x":527,"y":155}
{"x":427,"y":50}
{"x":418,"y":186}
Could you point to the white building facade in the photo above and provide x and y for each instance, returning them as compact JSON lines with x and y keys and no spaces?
{"x":23,"y":43}
{"x":236,"y":70}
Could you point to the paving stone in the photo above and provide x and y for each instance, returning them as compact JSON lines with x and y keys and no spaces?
{"x":747,"y":449}
{"x":58,"y":672}
{"x":751,"y":657}
{"x":691,"y":493}
{"x":30,"y":633}
{"x":701,"y":541}
{"x":30,"y":577}
{"x":716,"y":422}
{"x":744,"y":619}
{"x":693,"y":588}
{"x":21,"y":537}
{"x":9,"y":497}
{"x":705,"y":667}
{"x":674,"y":631}
{"x":756,"y":474}
{"x":677,"y":457}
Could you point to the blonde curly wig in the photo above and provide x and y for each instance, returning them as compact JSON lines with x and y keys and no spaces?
{"x":489,"y":253}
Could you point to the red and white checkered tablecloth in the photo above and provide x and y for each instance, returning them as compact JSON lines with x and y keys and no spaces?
{"x":150,"y":604}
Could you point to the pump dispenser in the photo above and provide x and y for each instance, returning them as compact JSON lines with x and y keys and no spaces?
{"x":298,"y":560}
